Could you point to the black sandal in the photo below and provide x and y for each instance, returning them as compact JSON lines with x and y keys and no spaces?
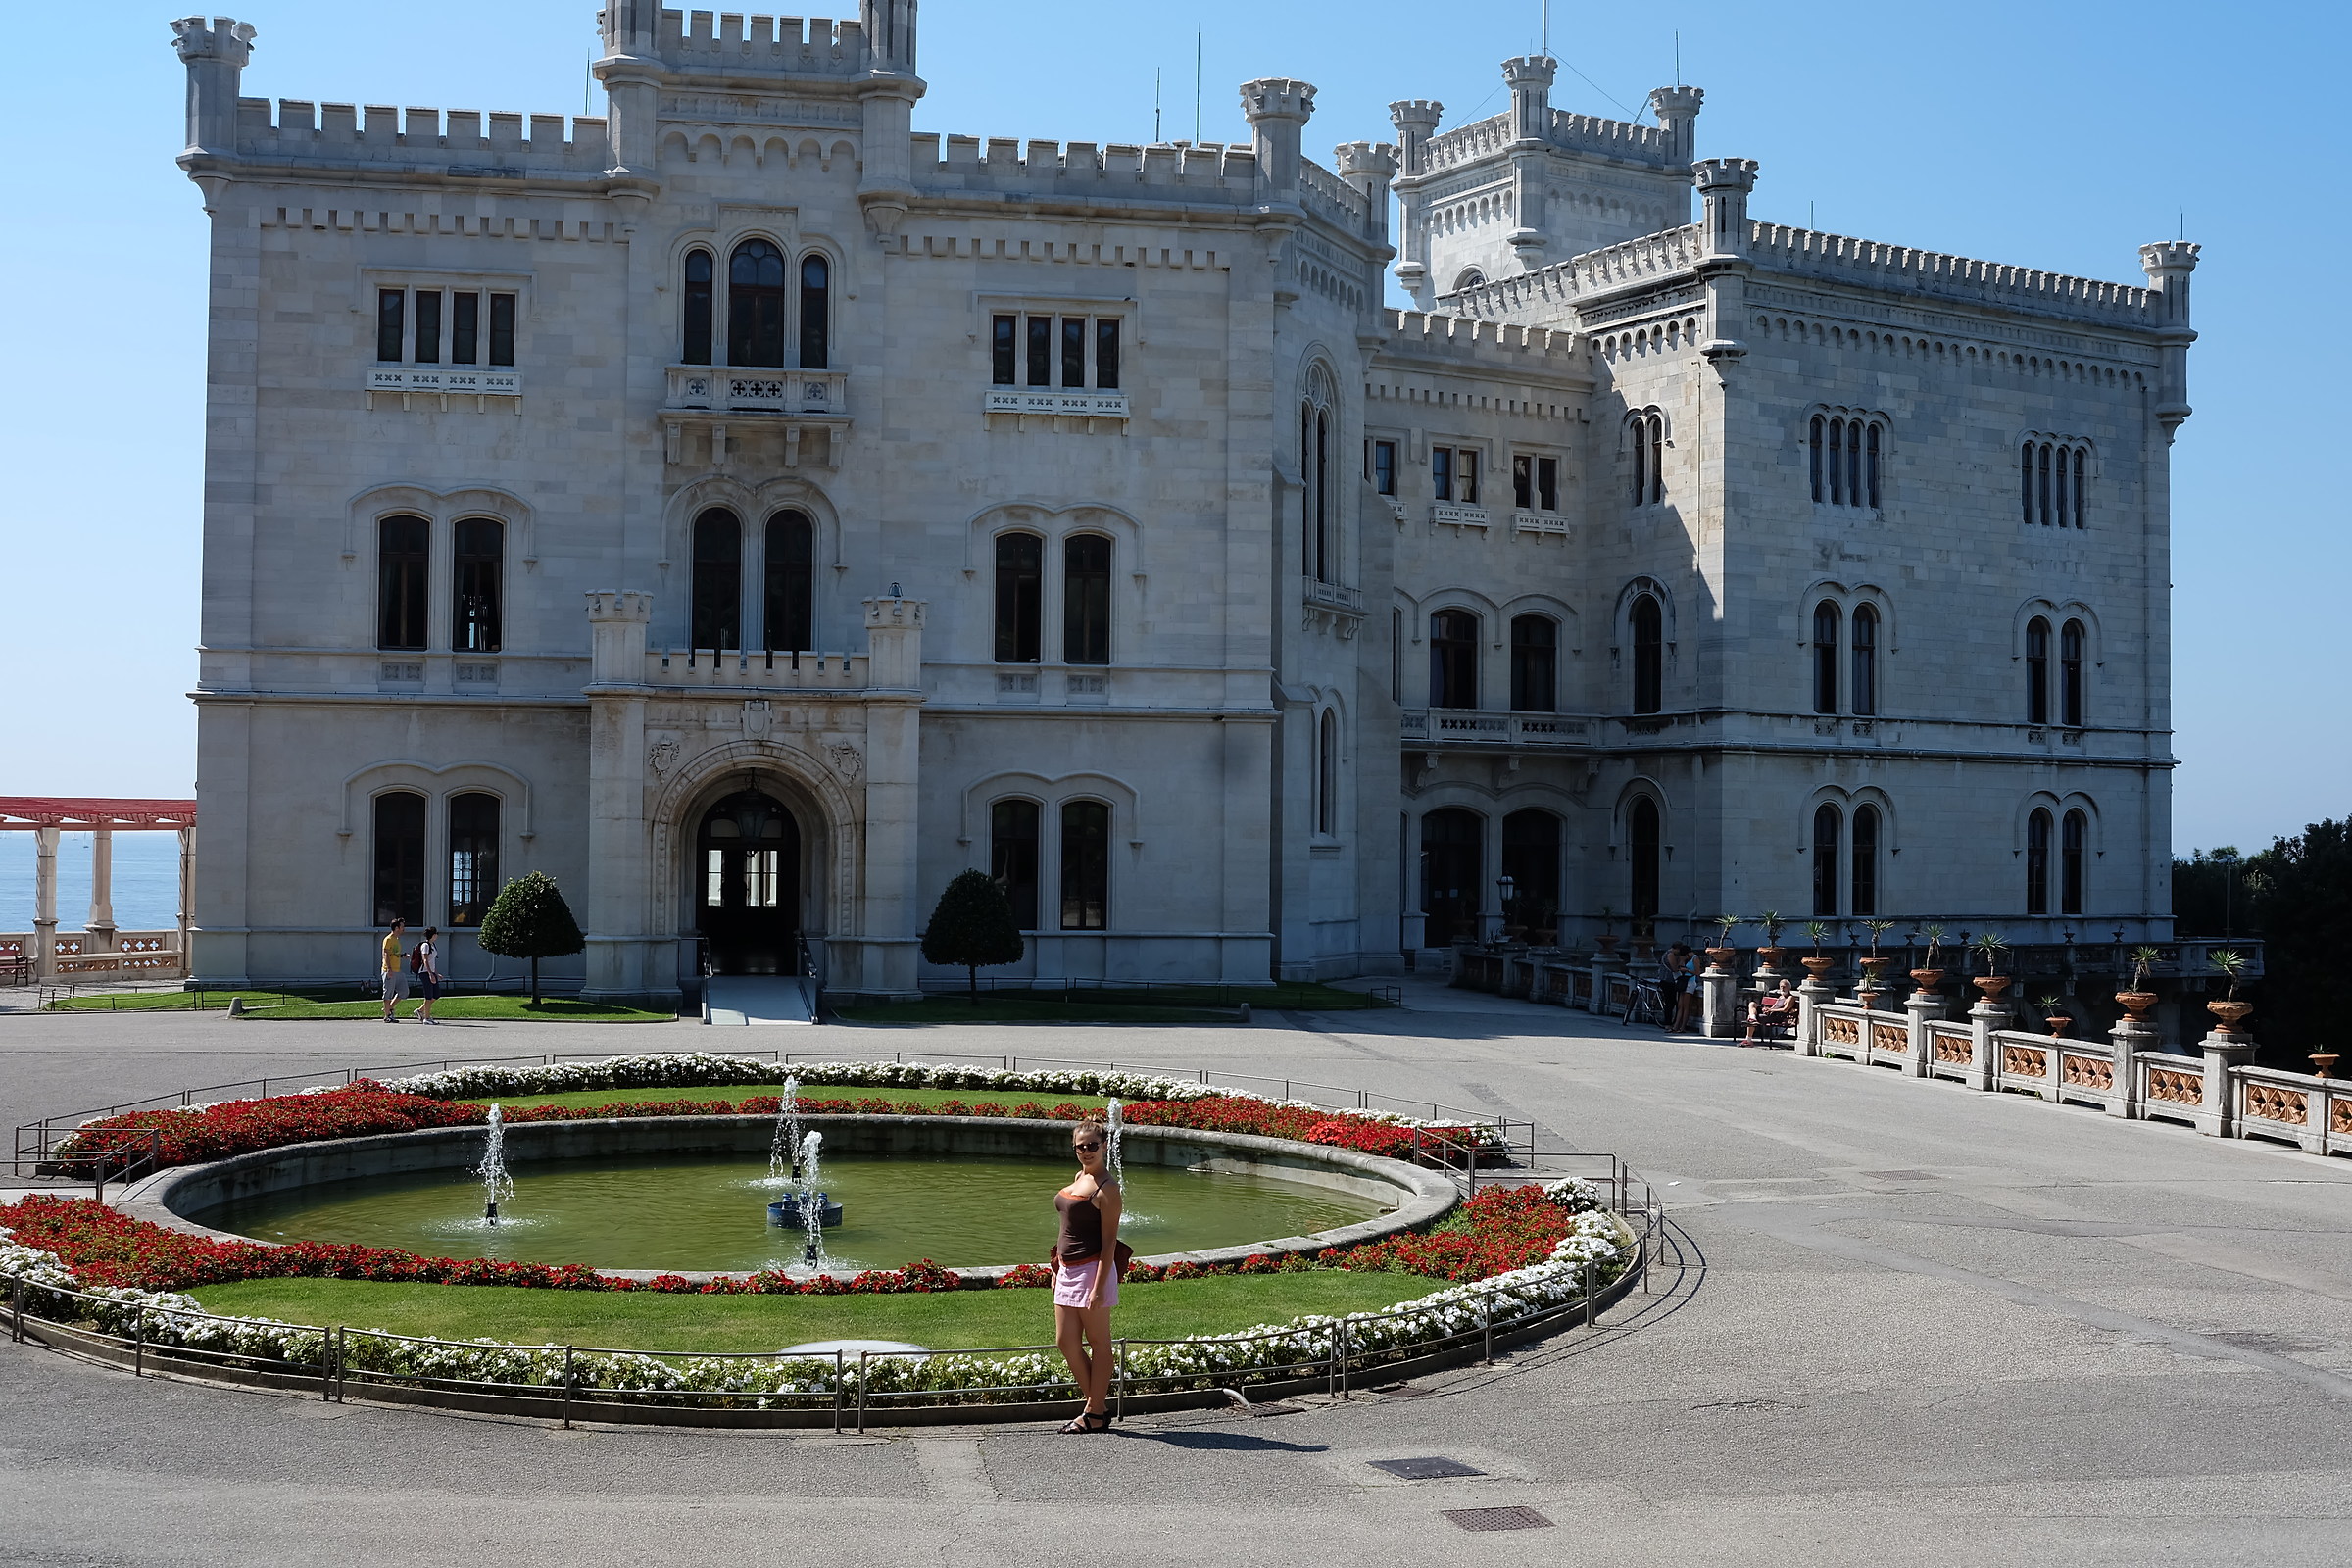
{"x":1084,"y":1421}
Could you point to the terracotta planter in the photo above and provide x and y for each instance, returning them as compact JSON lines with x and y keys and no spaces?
{"x":1721,"y":957}
{"x":1992,"y":985}
{"x":1770,"y":958}
{"x":1876,"y":967}
{"x":1929,"y":981}
{"x":2231,"y":1014}
{"x":2058,"y":1023}
{"x":1607,"y":944}
{"x":2139,"y":1003}
{"x":1818,"y":967}
{"x":1869,"y":997}
{"x":2321,"y":1063}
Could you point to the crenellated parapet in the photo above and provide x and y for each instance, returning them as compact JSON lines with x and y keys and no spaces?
{"x":734,"y":43}
{"x":457,"y":141}
{"x":1496,"y":346}
{"x":1083,"y":170}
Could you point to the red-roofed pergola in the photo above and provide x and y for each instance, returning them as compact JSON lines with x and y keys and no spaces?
{"x":100,"y":951}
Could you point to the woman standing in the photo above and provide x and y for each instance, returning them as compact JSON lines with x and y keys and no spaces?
{"x":426,"y":961}
{"x":1086,"y":1274}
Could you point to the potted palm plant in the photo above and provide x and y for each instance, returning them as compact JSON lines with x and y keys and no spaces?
{"x":1607,"y":940}
{"x":1928,"y":977}
{"x":1769,"y":955}
{"x":1815,"y":964}
{"x":1874,"y":966}
{"x":2230,"y":1010}
{"x":1721,"y":957}
{"x":1989,"y":947}
{"x":2139,"y":1001}
{"x":2054,"y":1013}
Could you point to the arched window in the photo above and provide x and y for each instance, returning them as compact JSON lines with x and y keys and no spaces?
{"x":1865,"y":637}
{"x":474,"y":588}
{"x":1641,"y":837}
{"x":1870,"y":467}
{"x":756,"y":304}
{"x":2052,"y":481}
{"x":2074,"y":846}
{"x":2077,"y":487}
{"x":1012,"y":838}
{"x":1453,"y":658}
{"x":1086,"y":598}
{"x":400,"y":857}
{"x":717,"y":580}
{"x":1021,"y":593}
{"x":1866,"y":861}
{"x":472,"y":857}
{"x":1085,"y":865}
{"x":1649,"y":432}
{"x":1531,"y":858}
{"x":403,"y":557}
{"x":816,"y":311}
{"x":1326,"y":774}
{"x":1836,"y":462}
{"x":1844,"y":459}
{"x":2070,"y":675}
{"x":791,"y":595}
{"x":1819,"y":449}
{"x":695,"y":349}
{"x":1535,"y":664}
{"x":2038,"y":863}
{"x":1826,"y":825}
{"x":1825,"y":658}
{"x":2025,"y":482}
{"x":1314,"y":475}
{"x":1453,"y":869}
{"x":1396,"y":655}
{"x":1470,"y":277}
{"x":1649,"y":655}
{"x":2037,"y":671}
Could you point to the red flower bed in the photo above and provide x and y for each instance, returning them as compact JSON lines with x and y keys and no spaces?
{"x":241,"y":1126}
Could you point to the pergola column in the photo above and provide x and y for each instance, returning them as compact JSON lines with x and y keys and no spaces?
{"x":187,"y":894}
{"x":44,"y":903}
{"x":100,"y":927}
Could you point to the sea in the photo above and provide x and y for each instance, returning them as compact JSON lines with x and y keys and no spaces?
{"x":146,"y":881}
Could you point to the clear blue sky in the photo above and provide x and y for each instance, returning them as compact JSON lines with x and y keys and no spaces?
{"x":2058,"y":136}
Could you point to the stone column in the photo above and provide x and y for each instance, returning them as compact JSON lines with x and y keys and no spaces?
{"x":1416,"y":120}
{"x":1529,"y":77}
{"x":1983,"y":1019}
{"x":2217,"y":1117}
{"x":1277,"y":108}
{"x":1723,"y":184}
{"x":619,"y":836}
{"x":1719,"y":997}
{"x":187,"y":896}
{"x":44,"y":903}
{"x":2129,"y":1039}
{"x":100,"y":927}
{"x":893,"y":920}
{"x":1924,"y":1009}
{"x":1811,"y":992}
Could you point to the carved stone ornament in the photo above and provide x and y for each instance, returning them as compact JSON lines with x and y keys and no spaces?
{"x":663,"y":755}
{"x":847,"y":764}
{"x":757,"y":719}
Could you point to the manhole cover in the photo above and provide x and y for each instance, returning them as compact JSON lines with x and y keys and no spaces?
{"x":1901,"y":1175}
{"x":1425,"y":1469}
{"x":1513,"y":1518}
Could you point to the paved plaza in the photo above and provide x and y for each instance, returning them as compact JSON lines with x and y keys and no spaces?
{"x":1903,"y":1322}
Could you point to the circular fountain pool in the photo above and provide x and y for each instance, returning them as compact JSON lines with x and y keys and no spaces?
{"x":709,"y":1212}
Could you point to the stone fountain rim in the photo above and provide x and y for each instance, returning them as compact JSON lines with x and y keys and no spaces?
{"x":1429,"y":1195}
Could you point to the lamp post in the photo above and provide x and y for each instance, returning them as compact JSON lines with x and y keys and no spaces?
{"x":1505,"y":888}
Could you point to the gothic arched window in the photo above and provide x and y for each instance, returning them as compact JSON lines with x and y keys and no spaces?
{"x":1012,"y":840}
{"x":400,"y":857}
{"x":1648,"y":430}
{"x":474,"y":587}
{"x":791,"y":587}
{"x":1086,"y":598}
{"x":403,"y":557}
{"x":2037,"y":671}
{"x":1649,"y":655}
{"x":472,"y":857}
{"x":1085,"y":865}
{"x":1865,"y":857}
{"x":1825,"y":658}
{"x":756,"y":304}
{"x":1826,"y":826}
{"x":2071,"y":642}
{"x":2074,"y":847}
{"x":2038,"y":863}
{"x":1021,"y":596}
{"x":1453,"y":658}
{"x":1326,"y":774}
{"x":1865,"y":638}
{"x":696,"y":349}
{"x":1535,"y":664}
{"x":717,"y":608}
{"x":1643,"y":840}
{"x":1314,"y":476}
{"x":817,"y":311}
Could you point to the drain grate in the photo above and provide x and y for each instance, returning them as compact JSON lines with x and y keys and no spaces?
{"x":1429,"y":1469}
{"x":1404,"y":1391}
{"x":1511,"y":1518}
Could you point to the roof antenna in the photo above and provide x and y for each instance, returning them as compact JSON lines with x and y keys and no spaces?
{"x":1196,"y":32}
{"x":1547,"y":27}
{"x":1678,"y":59}
{"x":1156,"y":76}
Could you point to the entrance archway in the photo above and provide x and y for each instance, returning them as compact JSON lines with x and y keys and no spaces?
{"x":747,"y":885}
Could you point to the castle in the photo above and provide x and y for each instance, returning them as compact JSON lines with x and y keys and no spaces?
{"x":753,"y":511}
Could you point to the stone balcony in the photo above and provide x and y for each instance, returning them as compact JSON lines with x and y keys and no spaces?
{"x":756,"y":669}
{"x":1453,"y":728}
{"x":802,"y":417}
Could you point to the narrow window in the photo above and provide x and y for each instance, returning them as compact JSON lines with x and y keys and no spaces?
{"x":1547,"y":484}
{"x":403,"y":553}
{"x":1086,"y":598}
{"x":2062,"y":510}
{"x":1004,"y":350}
{"x":2070,"y":675}
{"x":1396,"y":655}
{"x":697,"y":347}
{"x":1323,"y":495}
{"x":400,"y":857}
{"x":1020,"y":594}
{"x":2077,"y":487}
{"x":1012,"y":857}
{"x":1866,"y":661}
{"x":791,"y":587}
{"x":1466,"y":475}
{"x":2044,"y":491}
{"x":717,"y":610}
{"x":472,"y":857}
{"x":1825,"y":859}
{"x":1825,"y":658}
{"x":1441,"y":472}
{"x":1871,"y":467}
{"x":1640,"y":464}
{"x":2037,"y":671}
{"x":1836,"y":462}
{"x":1643,"y":840}
{"x":465,"y":328}
{"x":2025,"y":482}
{"x":1523,"y":482}
{"x":1535,"y":664}
{"x":1453,"y":658}
{"x":1383,"y":468}
{"x":816,"y":313}
{"x":475,"y":611}
{"x":391,"y":312}
{"x":1041,"y":351}
{"x":1820,"y":435}
{"x":1326,"y":774}
{"x":1085,"y":865}
{"x":1107,"y":354}
{"x":1853,"y":463}
{"x":2073,"y":850}
{"x":756,"y":304}
{"x":1531,"y":858}
{"x":1657,"y":457}
{"x":2038,"y":863}
{"x":1649,"y":656}
{"x":428,"y":326}
{"x":1073,"y":351}
{"x":1866,"y":861}
{"x":501,"y":329}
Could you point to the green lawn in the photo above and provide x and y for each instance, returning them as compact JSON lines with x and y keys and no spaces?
{"x":960,"y":1320}
{"x":738,"y":1093}
{"x":1172,"y":1004}
{"x":341,"y":1001}
{"x":193,"y":1000}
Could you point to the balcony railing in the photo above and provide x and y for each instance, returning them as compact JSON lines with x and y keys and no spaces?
{"x":736,"y":389}
{"x":1336,"y":596}
{"x":1463,"y":726}
{"x":756,"y":669}
{"x":1071,"y":401}
{"x":1550,"y":523}
{"x":1456,"y":516}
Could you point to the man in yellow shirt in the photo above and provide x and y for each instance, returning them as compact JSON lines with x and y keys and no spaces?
{"x":396,"y":971}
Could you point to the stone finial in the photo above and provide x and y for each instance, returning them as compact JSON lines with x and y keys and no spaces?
{"x":225,"y":39}
{"x":216,"y":56}
{"x":1370,"y":160}
{"x":1278,"y":109}
{"x":1677,"y":108}
{"x":1416,"y":120}
{"x":616,"y":628}
{"x":619,"y":604}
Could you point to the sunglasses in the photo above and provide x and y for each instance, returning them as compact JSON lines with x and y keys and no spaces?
{"x":1087,"y":1149}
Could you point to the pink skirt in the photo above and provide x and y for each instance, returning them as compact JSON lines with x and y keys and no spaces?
{"x":1074,"y":1282}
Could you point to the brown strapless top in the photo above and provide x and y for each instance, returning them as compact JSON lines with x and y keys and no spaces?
{"x":1081,"y":1228}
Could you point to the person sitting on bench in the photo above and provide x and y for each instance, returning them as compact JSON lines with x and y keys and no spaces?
{"x":1774,"y":1011}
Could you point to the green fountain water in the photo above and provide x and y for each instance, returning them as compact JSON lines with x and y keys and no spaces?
{"x":682,"y":1212}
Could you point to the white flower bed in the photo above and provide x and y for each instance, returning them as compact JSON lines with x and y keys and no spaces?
{"x":1574,"y":1194}
{"x":169,"y":1318}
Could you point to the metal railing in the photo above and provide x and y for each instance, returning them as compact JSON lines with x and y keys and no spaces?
{"x":118,"y":1156}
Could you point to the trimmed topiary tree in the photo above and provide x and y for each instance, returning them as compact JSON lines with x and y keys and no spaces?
{"x":972,"y":924}
{"x":529,"y":919}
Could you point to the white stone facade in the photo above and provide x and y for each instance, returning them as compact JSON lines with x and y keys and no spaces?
{"x":1213,"y":695}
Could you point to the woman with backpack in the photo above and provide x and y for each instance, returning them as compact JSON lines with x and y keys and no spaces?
{"x":426,"y":960}
{"x":1088,"y":1261}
